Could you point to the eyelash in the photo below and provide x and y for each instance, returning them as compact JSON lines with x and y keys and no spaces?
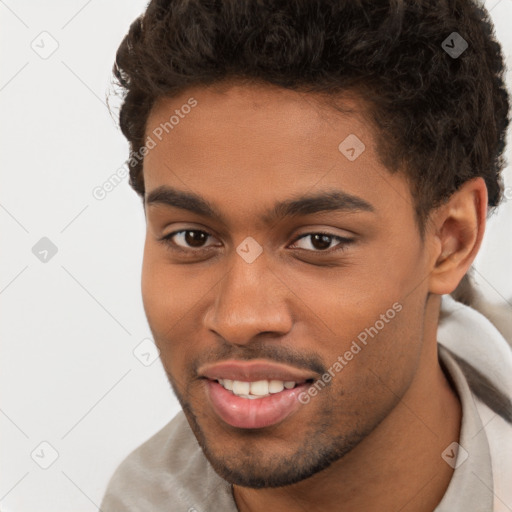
{"x":167,"y":240}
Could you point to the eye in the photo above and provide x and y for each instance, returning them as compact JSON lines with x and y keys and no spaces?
{"x":191,"y":238}
{"x":321,"y":242}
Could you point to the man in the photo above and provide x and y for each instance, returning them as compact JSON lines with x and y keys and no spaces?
{"x":316,"y":177}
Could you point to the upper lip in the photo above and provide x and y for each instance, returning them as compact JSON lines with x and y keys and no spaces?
{"x":253,"y":371}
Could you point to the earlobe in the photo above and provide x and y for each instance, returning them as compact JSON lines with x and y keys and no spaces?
{"x":459,"y":226}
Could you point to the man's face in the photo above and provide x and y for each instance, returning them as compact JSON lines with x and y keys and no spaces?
{"x":247,"y":287}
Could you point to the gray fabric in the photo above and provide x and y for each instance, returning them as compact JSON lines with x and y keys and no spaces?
{"x":168,"y":473}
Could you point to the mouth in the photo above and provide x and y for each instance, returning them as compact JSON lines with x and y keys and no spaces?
{"x":240,"y":407}
{"x":254,"y":394}
{"x":258,"y":389}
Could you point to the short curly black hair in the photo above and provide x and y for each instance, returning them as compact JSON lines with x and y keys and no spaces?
{"x":439,"y":118}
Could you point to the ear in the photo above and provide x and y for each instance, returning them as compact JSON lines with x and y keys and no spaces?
{"x":457,"y":228}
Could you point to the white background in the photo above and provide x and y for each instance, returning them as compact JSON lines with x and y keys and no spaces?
{"x":69,"y":326}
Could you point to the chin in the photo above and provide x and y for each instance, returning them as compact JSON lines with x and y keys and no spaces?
{"x":248,"y":466}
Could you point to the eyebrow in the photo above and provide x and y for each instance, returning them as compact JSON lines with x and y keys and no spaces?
{"x":332,"y":200}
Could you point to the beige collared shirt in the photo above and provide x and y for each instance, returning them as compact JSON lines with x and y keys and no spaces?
{"x":470,"y":488}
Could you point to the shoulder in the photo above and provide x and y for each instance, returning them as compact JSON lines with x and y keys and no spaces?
{"x":167,"y":470}
{"x":477,"y":344}
{"x":482,"y":357}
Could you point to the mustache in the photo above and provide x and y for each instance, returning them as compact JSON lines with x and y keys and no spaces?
{"x":262,"y":350}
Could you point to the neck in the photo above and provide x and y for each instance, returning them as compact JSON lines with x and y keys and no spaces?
{"x":398,"y":466}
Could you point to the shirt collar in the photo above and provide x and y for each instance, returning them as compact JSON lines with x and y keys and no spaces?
{"x":471,"y":485}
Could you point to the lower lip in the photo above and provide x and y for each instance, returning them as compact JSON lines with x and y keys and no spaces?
{"x":253,"y":413}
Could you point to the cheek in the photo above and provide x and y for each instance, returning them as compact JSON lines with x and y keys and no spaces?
{"x":376,"y":327}
{"x":173,"y":297}
{"x":393,"y":354}
{"x":166,"y":292}
{"x":165,"y":303}
{"x":157,"y":297}
{"x":377,"y":371}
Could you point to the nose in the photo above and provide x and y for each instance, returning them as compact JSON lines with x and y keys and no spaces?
{"x":250,"y":300}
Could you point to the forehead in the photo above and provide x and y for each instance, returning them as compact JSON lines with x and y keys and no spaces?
{"x":258,"y":112}
{"x":256,"y":142}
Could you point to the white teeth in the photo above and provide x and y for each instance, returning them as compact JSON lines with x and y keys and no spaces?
{"x":256,"y":389}
{"x":259,"y":388}
{"x":275,"y":386}
{"x":240,"y":387}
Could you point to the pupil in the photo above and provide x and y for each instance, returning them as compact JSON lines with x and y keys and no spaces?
{"x":325,"y":241}
{"x":192,"y":241}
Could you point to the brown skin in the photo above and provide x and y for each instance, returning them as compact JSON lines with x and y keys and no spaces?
{"x":381,"y":424}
